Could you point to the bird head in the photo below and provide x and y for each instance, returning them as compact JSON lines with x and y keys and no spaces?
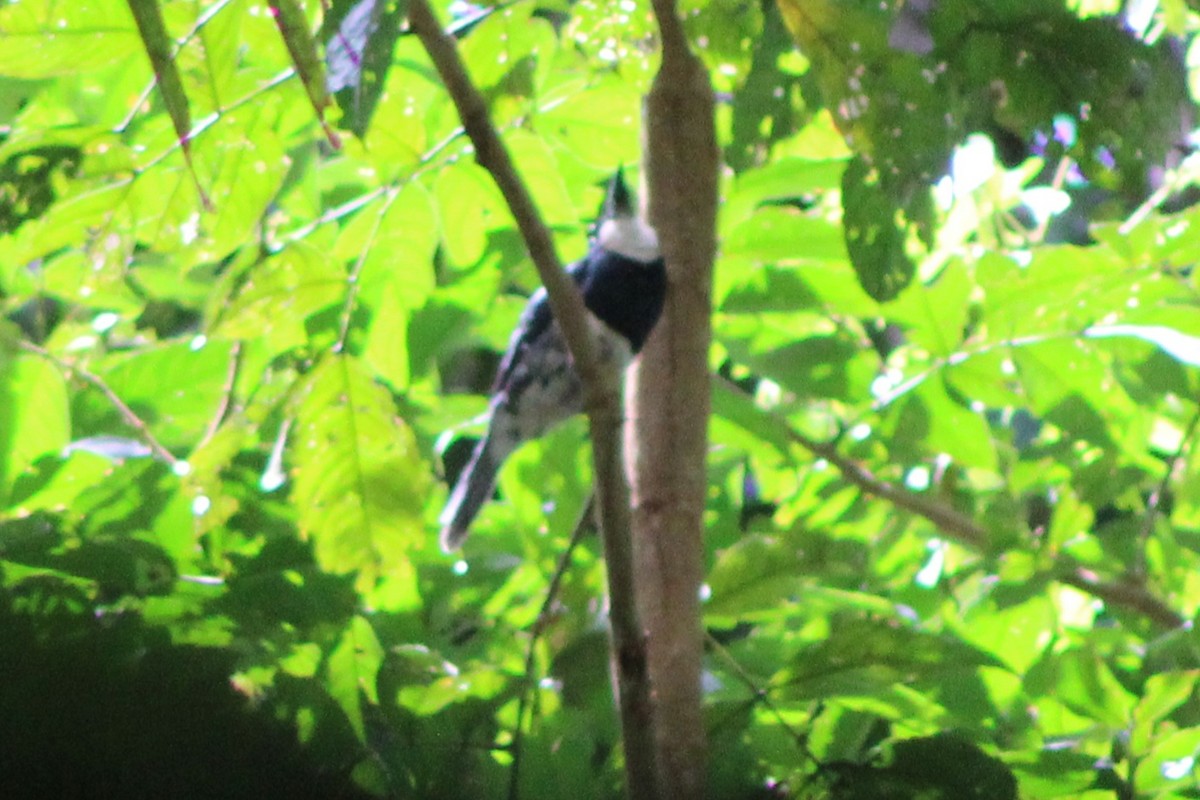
{"x":617,"y":200}
{"x":621,"y":231}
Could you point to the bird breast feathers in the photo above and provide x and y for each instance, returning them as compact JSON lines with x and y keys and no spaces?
{"x":629,"y":237}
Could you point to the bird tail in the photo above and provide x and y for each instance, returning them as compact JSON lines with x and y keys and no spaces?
{"x":474,"y":487}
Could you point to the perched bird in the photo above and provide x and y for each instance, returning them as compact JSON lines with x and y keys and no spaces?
{"x":623,"y":282}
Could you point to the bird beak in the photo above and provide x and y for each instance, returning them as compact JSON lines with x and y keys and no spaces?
{"x":618,"y":203}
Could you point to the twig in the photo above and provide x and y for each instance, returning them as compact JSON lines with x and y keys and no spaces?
{"x":1130,"y":595}
{"x":235,"y":362}
{"x":128,"y":414}
{"x":951,"y":523}
{"x":602,"y":399}
{"x":334,"y":214}
{"x":352,"y":282}
{"x":585,"y":523}
{"x":761,"y":695}
{"x":1154,"y":503}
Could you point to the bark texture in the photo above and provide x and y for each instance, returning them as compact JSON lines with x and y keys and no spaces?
{"x":670,"y":393}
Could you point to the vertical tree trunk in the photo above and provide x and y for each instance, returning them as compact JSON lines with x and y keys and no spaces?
{"x":671,"y":394}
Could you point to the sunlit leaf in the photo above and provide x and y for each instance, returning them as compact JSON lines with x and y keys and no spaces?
{"x":176,"y":389}
{"x":359,"y":481}
{"x":43,"y":40}
{"x":352,"y":668}
{"x":35,"y":414}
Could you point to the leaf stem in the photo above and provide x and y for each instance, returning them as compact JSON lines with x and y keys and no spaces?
{"x":128,"y":414}
{"x":585,"y":523}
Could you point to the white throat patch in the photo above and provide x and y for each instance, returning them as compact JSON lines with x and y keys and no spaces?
{"x":629,"y":237}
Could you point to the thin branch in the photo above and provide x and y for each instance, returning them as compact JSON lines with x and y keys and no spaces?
{"x":585,"y":524}
{"x":492,"y":155}
{"x":334,"y":214}
{"x":352,"y":279}
{"x":953,"y":524}
{"x":1154,"y":504}
{"x":1130,"y":595}
{"x":602,"y":399}
{"x":128,"y":414}
{"x":761,"y":695}
{"x":235,"y":363}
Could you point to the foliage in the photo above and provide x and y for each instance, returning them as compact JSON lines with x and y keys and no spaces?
{"x":227,"y":370}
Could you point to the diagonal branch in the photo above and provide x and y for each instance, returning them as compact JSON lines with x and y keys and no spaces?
{"x":493,"y":156}
{"x":1129,"y":595}
{"x":602,"y":399}
{"x":966,"y":531}
{"x":953,"y":524}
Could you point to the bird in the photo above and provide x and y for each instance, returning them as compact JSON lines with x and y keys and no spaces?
{"x":623,"y":281}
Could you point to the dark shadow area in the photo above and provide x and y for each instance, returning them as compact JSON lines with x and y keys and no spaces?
{"x":106,"y":707}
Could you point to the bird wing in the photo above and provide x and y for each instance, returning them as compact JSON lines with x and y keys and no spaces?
{"x":535,"y":322}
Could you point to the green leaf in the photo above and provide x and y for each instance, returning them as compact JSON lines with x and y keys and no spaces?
{"x":1164,"y":693}
{"x":877,"y":644}
{"x":598,"y":124}
{"x":752,"y":577}
{"x":220,"y":37}
{"x":175,"y":389}
{"x":351,"y":671}
{"x":782,"y":235}
{"x":458,"y":192}
{"x":387,"y":342}
{"x":280,"y":294}
{"x":1161,"y":696}
{"x":739,"y":409}
{"x":159,"y":49}
{"x":934,"y":317}
{"x":395,"y":240}
{"x":54,"y":482}
{"x":43,"y":40}
{"x":933,"y":421}
{"x":496,"y":50}
{"x":34,"y":414}
{"x":242,"y":170}
{"x":1085,"y":683}
{"x":1170,"y":764}
{"x":787,"y":179}
{"x":874,"y":238}
{"x":359,"y":481}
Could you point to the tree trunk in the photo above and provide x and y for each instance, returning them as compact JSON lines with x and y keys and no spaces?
{"x":671,"y":398}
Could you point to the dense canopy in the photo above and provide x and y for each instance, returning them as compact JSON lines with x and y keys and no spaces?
{"x":254,"y":286}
